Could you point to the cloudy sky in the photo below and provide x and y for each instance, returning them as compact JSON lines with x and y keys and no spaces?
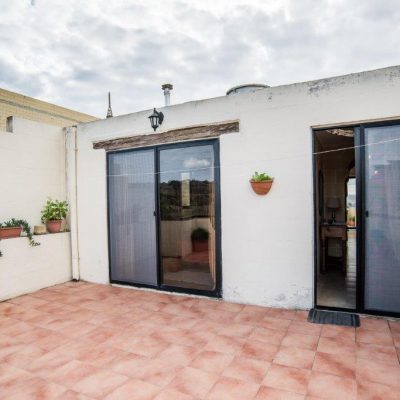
{"x":73,"y":52}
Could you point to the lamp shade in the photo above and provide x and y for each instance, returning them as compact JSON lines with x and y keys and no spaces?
{"x":333,"y":203}
{"x":156,"y":119}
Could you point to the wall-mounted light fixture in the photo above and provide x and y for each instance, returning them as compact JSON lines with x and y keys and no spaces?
{"x":156,"y":119}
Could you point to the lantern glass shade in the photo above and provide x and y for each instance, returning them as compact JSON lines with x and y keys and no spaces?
{"x":156,"y":119}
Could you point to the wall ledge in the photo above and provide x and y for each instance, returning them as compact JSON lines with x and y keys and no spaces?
{"x":206,"y":131}
{"x":36,"y":237}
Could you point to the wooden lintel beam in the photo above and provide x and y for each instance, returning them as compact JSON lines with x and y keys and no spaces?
{"x":174,"y":135}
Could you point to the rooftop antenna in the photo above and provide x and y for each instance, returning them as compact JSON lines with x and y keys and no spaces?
{"x":167,"y":87}
{"x":109,"y":111}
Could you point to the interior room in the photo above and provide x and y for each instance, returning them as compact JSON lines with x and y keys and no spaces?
{"x":336,"y":218}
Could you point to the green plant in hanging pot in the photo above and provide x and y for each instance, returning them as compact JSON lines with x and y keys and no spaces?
{"x":261,"y":183}
{"x":53,"y":214}
{"x":13,"y":227}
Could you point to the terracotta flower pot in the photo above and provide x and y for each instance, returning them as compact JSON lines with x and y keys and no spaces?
{"x":54,"y":226}
{"x":7,"y":233}
{"x":261,"y":188}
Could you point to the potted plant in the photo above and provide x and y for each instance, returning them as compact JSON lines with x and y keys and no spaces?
{"x":199,"y":238}
{"x":261,"y":183}
{"x":351,"y":220}
{"x":53,"y":213}
{"x":13,"y":228}
{"x":10,"y":229}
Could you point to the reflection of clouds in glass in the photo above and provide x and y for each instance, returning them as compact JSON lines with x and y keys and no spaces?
{"x":351,"y":187}
{"x":198,"y":160}
{"x":196,"y":163}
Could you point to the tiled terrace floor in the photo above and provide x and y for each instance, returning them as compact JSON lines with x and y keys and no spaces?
{"x":84,"y":341}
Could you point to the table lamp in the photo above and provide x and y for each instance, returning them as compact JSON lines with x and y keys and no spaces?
{"x":333,"y":204}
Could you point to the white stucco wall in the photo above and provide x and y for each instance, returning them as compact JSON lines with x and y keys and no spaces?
{"x":267,"y":242}
{"x":24,"y":269}
{"x":32,"y":167}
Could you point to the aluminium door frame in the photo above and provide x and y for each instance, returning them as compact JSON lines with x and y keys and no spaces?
{"x":363,"y":212}
{"x":316,"y":240}
{"x":359,"y":144}
{"x":108,"y":154}
{"x":217,"y":292}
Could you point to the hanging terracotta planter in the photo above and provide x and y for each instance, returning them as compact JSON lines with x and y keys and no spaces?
{"x":8,"y":233}
{"x":261,"y":183}
{"x":261,"y":188}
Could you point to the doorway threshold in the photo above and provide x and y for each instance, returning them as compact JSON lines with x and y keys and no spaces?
{"x":333,"y":318}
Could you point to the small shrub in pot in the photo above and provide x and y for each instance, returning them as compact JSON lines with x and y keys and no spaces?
{"x":53,"y":213}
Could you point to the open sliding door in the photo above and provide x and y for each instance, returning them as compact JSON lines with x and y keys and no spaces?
{"x":357,"y":201}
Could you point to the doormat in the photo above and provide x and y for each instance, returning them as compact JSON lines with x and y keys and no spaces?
{"x":333,"y":318}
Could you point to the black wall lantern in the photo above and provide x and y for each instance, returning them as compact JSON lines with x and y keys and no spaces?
{"x":156,"y":119}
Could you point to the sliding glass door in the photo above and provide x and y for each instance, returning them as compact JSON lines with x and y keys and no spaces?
{"x":382,"y":218}
{"x":187,"y":217}
{"x":132,"y":222}
{"x":163,"y":217}
{"x":360,"y":168}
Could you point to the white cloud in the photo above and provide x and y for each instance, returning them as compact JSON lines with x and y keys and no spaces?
{"x":73,"y":52}
{"x":192,"y":162}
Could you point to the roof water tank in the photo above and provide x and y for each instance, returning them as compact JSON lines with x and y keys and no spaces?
{"x":247,"y":88}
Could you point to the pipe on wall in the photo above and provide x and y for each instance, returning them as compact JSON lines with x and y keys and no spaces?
{"x":71,"y":178}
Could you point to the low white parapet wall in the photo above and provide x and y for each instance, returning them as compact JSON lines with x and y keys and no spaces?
{"x":24,"y":269}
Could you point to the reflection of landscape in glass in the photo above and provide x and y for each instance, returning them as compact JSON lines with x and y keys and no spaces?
{"x":351,"y":202}
{"x":187,"y":217}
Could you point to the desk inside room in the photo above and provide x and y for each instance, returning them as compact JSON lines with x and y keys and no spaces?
{"x":335,"y":231}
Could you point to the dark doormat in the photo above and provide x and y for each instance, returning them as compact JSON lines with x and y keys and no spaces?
{"x":333,"y":318}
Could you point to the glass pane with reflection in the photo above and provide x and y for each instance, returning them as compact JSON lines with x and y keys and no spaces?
{"x":382,"y":220}
{"x":187,"y":217}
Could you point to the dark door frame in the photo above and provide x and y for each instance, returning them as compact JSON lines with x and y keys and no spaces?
{"x":217,"y":292}
{"x":359,"y":143}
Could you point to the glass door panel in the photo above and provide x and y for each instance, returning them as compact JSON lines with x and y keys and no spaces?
{"x":382,"y":218}
{"x":132,"y":222}
{"x":187,"y":217}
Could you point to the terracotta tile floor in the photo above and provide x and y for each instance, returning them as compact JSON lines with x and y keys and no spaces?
{"x":86,"y":341}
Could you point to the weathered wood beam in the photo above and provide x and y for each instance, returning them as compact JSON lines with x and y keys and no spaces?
{"x":174,"y":135}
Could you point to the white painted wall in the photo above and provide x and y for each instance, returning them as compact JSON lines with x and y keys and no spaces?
{"x":267,"y":242}
{"x":24,"y":269}
{"x":32,"y":167}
